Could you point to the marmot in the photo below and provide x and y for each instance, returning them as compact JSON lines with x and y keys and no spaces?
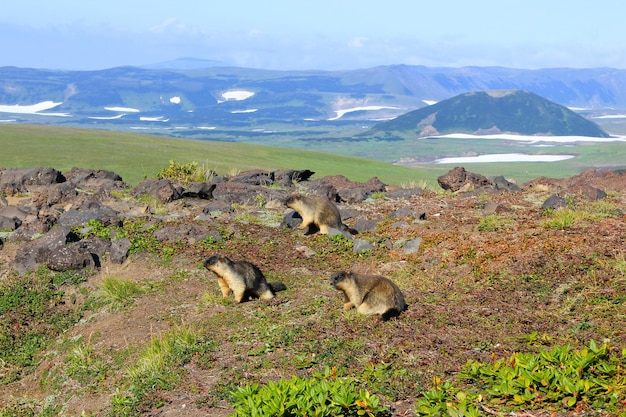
{"x":242,"y":278}
{"x":369,"y":294}
{"x":318,"y":211}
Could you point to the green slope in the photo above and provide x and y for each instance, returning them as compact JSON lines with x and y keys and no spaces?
{"x":135,"y":156}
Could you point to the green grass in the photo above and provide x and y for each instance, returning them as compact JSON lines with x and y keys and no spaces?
{"x":33,"y":310}
{"x":135,"y":156}
{"x":138,"y":156}
{"x":119,"y":293}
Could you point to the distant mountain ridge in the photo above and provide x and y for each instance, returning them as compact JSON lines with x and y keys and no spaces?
{"x":194,"y":96}
{"x":489,"y":112}
{"x":186,"y":63}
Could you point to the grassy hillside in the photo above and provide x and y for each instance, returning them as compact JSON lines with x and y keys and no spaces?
{"x":135,"y":156}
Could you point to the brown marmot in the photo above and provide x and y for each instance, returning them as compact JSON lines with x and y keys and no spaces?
{"x":318,"y":211}
{"x":369,"y":294}
{"x":243,"y":279}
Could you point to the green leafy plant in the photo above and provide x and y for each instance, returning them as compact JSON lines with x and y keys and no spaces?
{"x":325,"y":394}
{"x":559,"y":378}
{"x":140,"y":234}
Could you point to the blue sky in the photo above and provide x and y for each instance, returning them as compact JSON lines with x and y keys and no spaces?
{"x":325,"y":35}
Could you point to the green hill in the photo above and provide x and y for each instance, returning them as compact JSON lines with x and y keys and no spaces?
{"x":136,"y":156}
{"x":490,"y":112}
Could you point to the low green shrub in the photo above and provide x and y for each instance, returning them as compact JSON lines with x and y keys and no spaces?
{"x":557,"y":379}
{"x":322,"y":395}
{"x":491,"y":223}
{"x":185,"y":173}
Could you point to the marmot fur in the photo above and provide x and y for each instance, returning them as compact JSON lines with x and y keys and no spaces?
{"x":318,"y":211}
{"x":369,"y":294}
{"x":242,"y":278}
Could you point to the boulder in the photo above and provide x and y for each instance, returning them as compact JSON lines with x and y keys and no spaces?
{"x":94,"y":179}
{"x":161,"y":189}
{"x":71,"y":257}
{"x":120,"y":248}
{"x":286,"y":178}
{"x":30,"y":176}
{"x":92,"y":210}
{"x":37,"y":252}
{"x":501,"y":183}
{"x":202,"y":190}
{"x":553,"y":202}
{"x":9,"y":224}
{"x":255,"y":177}
{"x":458,"y":178}
{"x":245,"y":194}
{"x":587,"y":192}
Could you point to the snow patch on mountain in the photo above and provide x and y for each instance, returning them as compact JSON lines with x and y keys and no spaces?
{"x":237,"y":95}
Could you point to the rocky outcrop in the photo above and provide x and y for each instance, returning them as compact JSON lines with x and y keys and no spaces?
{"x":55,"y":209}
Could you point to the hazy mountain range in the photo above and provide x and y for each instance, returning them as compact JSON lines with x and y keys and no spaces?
{"x":192,"y":93}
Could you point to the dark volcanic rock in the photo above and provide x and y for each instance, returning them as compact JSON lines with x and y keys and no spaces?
{"x":587,"y":191}
{"x":501,"y":183}
{"x":286,"y":178}
{"x":92,"y":210}
{"x":71,"y":257}
{"x":458,"y":177}
{"x":13,"y":180}
{"x":61,"y":193}
{"x":34,"y":253}
{"x":161,"y":189}
{"x":202,"y":190}
{"x":9,"y":223}
{"x":245,"y":194}
{"x":94,"y":179}
{"x":553,"y":202}
{"x":255,"y":177}
{"x":120,"y":249}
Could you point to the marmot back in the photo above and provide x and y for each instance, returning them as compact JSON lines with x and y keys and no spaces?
{"x":369,"y":294}
{"x":318,"y":211}
{"x":244,"y":279}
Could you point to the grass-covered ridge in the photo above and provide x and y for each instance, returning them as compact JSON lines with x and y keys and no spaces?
{"x":136,"y":156}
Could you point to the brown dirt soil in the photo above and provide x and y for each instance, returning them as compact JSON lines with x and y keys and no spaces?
{"x":472,"y":295}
